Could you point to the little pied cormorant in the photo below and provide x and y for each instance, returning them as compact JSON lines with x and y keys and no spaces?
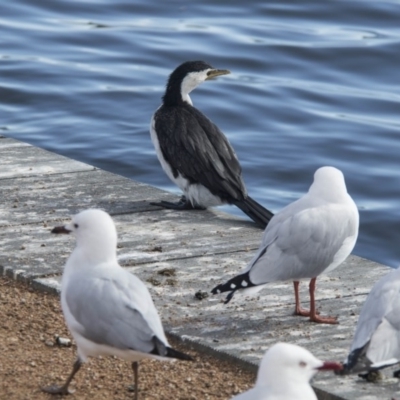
{"x":193,"y":151}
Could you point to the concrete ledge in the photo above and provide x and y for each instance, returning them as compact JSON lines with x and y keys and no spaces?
{"x":177,"y":254}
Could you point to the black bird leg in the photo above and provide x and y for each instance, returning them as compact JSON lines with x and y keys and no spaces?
{"x":182,"y":204}
{"x":135,"y":367}
{"x":63,"y":390}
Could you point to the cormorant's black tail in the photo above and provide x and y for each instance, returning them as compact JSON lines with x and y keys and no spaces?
{"x":172,"y":353}
{"x":260,"y":215}
{"x":241,"y":281}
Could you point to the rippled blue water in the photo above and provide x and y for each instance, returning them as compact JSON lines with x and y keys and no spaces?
{"x":313,"y":83}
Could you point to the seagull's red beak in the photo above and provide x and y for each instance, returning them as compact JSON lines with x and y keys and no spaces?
{"x":60,"y":229}
{"x":331,"y":365}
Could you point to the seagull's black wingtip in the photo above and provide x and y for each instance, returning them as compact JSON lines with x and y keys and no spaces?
{"x":229,"y":297}
{"x":219,"y":289}
{"x":216,"y":290}
{"x":172,"y":353}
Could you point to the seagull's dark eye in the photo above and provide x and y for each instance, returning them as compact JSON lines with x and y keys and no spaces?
{"x":302,"y":364}
{"x":76,"y":226}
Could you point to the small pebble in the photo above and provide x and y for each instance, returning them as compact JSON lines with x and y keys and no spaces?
{"x":157,"y":248}
{"x":154,"y":282}
{"x":64,"y":342}
{"x":131,"y":388}
{"x":167,"y":272}
{"x":200,"y":295}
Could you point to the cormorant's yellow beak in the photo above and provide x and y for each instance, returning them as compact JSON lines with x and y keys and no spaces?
{"x":212,"y":73}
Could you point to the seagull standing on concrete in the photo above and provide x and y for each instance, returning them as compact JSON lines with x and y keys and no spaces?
{"x":376,"y":343}
{"x":310,"y":236}
{"x":108,"y":310}
{"x":194,"y":153}
{"x":285,"y":373}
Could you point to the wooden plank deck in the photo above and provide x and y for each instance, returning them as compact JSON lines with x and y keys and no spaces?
{"x":199,"y":248}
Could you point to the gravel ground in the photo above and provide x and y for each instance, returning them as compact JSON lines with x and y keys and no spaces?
{"x":29,"y":321}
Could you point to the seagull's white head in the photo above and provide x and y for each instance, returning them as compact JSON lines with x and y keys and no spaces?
{"x":95,"y":233}
{"x":287,"y":364}
{"x":329,"y":183}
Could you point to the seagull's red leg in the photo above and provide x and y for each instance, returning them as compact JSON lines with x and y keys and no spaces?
{"x":298,"y":310}
{"x":314,"y":317}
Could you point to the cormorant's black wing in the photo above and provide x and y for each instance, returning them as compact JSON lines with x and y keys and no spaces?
{"x":198,"y":150}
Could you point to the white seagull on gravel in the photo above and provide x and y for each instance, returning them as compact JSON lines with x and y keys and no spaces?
{"x":376,"y":343}
{"x":285,"y":373}
{"x":310,"y":236}
{"x":108,"y":310}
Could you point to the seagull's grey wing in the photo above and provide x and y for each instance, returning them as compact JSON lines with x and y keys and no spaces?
{"x":303,"y":244}
{"x":377,"y":335}
{"x":200,"y":152}
{"x":116,"y":311}
{"x":383,"y":302}
{"x":384,"y":347}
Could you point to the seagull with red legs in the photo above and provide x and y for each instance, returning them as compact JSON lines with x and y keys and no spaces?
{"x":307,"y":238}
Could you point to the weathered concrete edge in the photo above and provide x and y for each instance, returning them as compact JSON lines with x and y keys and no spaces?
{"x":198,"y":345}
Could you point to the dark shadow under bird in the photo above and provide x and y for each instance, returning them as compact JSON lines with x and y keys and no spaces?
{"x":194,"y":152}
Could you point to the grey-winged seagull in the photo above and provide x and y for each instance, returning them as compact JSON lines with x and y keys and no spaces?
{"x":376,"y":342}
{"x":108,"y":310}
{"x":310,"y":236}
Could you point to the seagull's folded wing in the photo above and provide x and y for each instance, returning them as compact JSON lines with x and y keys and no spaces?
{"x":379,"y":321}
{"x":302,"y":244}
{"x":116,"y":311}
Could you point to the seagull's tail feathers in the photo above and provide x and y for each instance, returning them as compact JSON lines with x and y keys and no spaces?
{"x":241,"y":281}
{"x":259,"y":214}
{"x":160,"y":349}
{"x":356,"y":362}
{"x":172,"y":353}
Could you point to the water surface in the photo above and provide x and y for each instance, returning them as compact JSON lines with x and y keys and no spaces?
{"x":313,"y":83}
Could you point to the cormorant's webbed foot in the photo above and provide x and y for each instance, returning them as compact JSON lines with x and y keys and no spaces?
{"x":182,"y":204}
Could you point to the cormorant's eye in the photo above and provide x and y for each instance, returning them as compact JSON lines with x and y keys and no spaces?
{"x":76,"y":226}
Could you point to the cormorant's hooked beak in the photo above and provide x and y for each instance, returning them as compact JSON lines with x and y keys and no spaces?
{"x":60,"y":229}
{"x":212,"y":73}
{"x":330,"y":365}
